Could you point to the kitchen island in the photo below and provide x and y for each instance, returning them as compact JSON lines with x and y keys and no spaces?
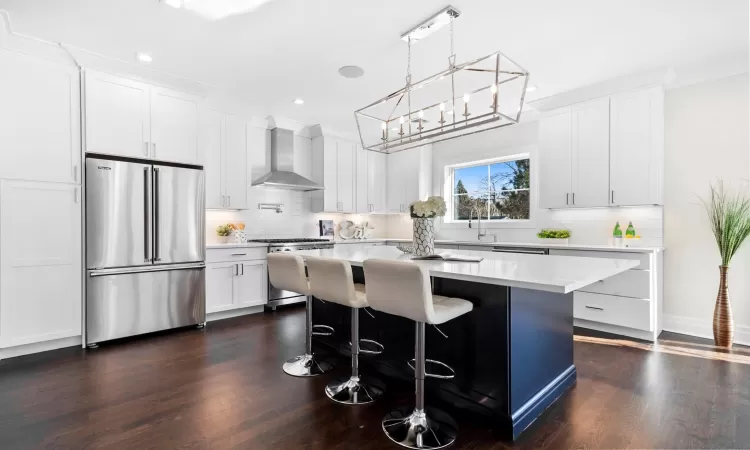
{"x":512,"y":354}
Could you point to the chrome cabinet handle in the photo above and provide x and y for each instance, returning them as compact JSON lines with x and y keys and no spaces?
{"x":613,"y":196}
{"x":236,"y":269}
{"x":238,"y":254}
{"x":573,"y":195}
{"x":222,"y":200}
{"x":76,"y":196}
{"x":75,"y":173}
{"x":242,"y":266}
{"x":567,"y":198}
{"x":153,"y":149}
{"x":146,"y":198}
{"x":156,"y":214}
{"x":145,"y":148}
{"x":594,"y":307}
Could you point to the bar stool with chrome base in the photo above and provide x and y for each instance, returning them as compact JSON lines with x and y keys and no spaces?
{"x":287,"y":272}
{"x":403,"y":289}
{"x":332,"y":280}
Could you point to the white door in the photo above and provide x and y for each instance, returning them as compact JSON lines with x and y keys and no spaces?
{"x":330,"y":175}
{"x":396,"y":182}
{"x":174,"y":126}
{"x":235,"y":162}
{"x":345,"y":168}
{"x":40,"y":262}
{"x":220,"y":279}
{"x":632,"y":150}
{"x":376,"y":181}
{"x":211,"y":136}
{"x":117,"y":115}
{"x":364,"y":201}
{"x":252,"y":284}
{"x":40,"y":133}
{"x":590,"y":154}
{"x":555,"y":160}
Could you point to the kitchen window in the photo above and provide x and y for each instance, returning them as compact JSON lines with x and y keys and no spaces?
{"x":498,"y":190}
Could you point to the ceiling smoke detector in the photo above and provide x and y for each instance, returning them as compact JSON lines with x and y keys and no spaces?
{"x":351,"y":71}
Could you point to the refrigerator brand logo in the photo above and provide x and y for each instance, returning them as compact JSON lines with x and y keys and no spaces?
{"x":103,"y":168}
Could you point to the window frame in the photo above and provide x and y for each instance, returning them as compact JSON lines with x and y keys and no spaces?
{"x":450,"y":195}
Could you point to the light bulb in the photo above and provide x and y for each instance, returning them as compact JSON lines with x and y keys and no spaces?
{"x":421,"y":114}
{"x":383,"y":126}
{"x":466,"y":98}
{"x":493,"y":89}
{"x":442,"y":106}
{"x":401,"y":120}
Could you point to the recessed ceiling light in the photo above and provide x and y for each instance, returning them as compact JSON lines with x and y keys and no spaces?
{"x":144,"y":57}
{"x":173,"y":3}
{"x":530,"y":88}
{"x":351,"y":71}
{"x":298,"y":101}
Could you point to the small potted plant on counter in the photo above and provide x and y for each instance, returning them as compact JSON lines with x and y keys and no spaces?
{"x":550,"y":236}
{"x":223,"y":232}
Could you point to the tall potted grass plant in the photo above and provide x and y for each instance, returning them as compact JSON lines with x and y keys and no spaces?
{"x":729,"y":217}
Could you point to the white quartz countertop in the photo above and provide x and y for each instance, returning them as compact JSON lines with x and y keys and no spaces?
{"x":562,"y":274}
{"x":632,"y":248}
{"x":236,"y":245}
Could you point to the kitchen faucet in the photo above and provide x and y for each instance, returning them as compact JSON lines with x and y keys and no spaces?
{"x":480,"y":233}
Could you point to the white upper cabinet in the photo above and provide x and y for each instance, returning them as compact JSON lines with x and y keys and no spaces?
{"x":409,"y":178}
{"x":129,"y":118}
{"x":40,"y":136}
{"x":174,"y":126}
{"x":363,"y":203}
{"x":555,"y":159}
{"x":117,"y":115}
{"x":590,"y":154}
{"x":345,"y":171}
{"x":604,"y":152}
{"x":41,"y":271}
{"x":235,"y":168}
{"x":334,"y":166}
{"x":225,"y":140}
{"x":637,"y":148}
{"x":377,"y":181}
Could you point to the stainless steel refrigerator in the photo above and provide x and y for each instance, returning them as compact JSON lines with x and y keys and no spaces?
{"x":145,"y":247}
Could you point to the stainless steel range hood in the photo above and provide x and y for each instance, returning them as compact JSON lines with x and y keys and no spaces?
{"x":282,"y":174}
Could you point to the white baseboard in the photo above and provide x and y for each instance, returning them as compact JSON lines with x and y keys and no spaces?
{"x":702,"y":328}
{"x":221,"y":315}
{"x":37,"y":347}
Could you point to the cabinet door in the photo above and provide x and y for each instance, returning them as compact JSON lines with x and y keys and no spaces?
{"x":235,"y":163}
{"x":211,"y":136}
{"x":634,"y":148}
{"x":345,"y":180}
{"x":555,"y":160}
{"x":220,"y":279}
{"x":330,"y":175}
{"x":41,"y":271}
{"x":411,"y":175}
{"x":377,"y":181}
{"x":117,"y":115}
{"x":396,"y":182}
{"x":590,"y":154}
{"x":174,"y":126}
{"x":40,"y":133}
{"x":252,"y":284}
{"x":363,"y":194}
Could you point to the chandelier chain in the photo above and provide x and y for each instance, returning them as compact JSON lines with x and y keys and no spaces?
{"x":408,"y":62}
{"x":452,"y":51}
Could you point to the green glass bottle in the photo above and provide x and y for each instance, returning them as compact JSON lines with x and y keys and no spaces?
{"x":630,"y":231}
{"x":618,"y":231}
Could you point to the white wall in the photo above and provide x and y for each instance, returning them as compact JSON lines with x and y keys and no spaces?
{"x":706,"y":138}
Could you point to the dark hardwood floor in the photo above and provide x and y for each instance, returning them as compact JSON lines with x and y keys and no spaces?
{"x":224,"y":388}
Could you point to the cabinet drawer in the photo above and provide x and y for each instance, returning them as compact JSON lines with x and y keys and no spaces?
{"x":644,"y":258}
{"x":612,"y":309}
{"x":632,"y":283}
{"x":235,"y":254}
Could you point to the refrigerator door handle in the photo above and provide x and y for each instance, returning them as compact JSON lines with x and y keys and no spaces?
{"x":146,"y":215}
{"x":127,"y":270}
{"x":156,"y":215}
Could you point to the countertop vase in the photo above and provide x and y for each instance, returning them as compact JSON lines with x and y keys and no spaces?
{"x":723,"y":321}
{"x":424,"y":236}
{"x":222,"y":239}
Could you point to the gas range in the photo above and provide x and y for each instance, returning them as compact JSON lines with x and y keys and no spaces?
{"x":291,"y":244}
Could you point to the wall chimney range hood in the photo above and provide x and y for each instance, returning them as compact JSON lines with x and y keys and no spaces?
{"x":282,"y":174}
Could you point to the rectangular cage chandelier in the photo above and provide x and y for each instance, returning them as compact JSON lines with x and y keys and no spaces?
{"x":476,"y":96}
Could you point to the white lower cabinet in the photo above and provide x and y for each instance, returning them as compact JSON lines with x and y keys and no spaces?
{"x":40,"y":262}
{"x":235,"y":284}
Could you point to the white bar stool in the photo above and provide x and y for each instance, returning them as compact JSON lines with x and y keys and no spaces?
{"x":287,"y":272}
{"x":331,"y":280}
{"x":403,"y":289}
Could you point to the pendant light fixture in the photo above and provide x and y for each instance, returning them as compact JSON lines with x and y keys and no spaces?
{"x":478,"y":95}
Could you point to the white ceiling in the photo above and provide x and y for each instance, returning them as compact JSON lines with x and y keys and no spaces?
{"x":287,"y":49}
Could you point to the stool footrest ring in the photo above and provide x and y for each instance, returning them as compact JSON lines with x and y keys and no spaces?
{"x":434,"y":375}
{"x":327,"y":331}
{"x":376,"y":344}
